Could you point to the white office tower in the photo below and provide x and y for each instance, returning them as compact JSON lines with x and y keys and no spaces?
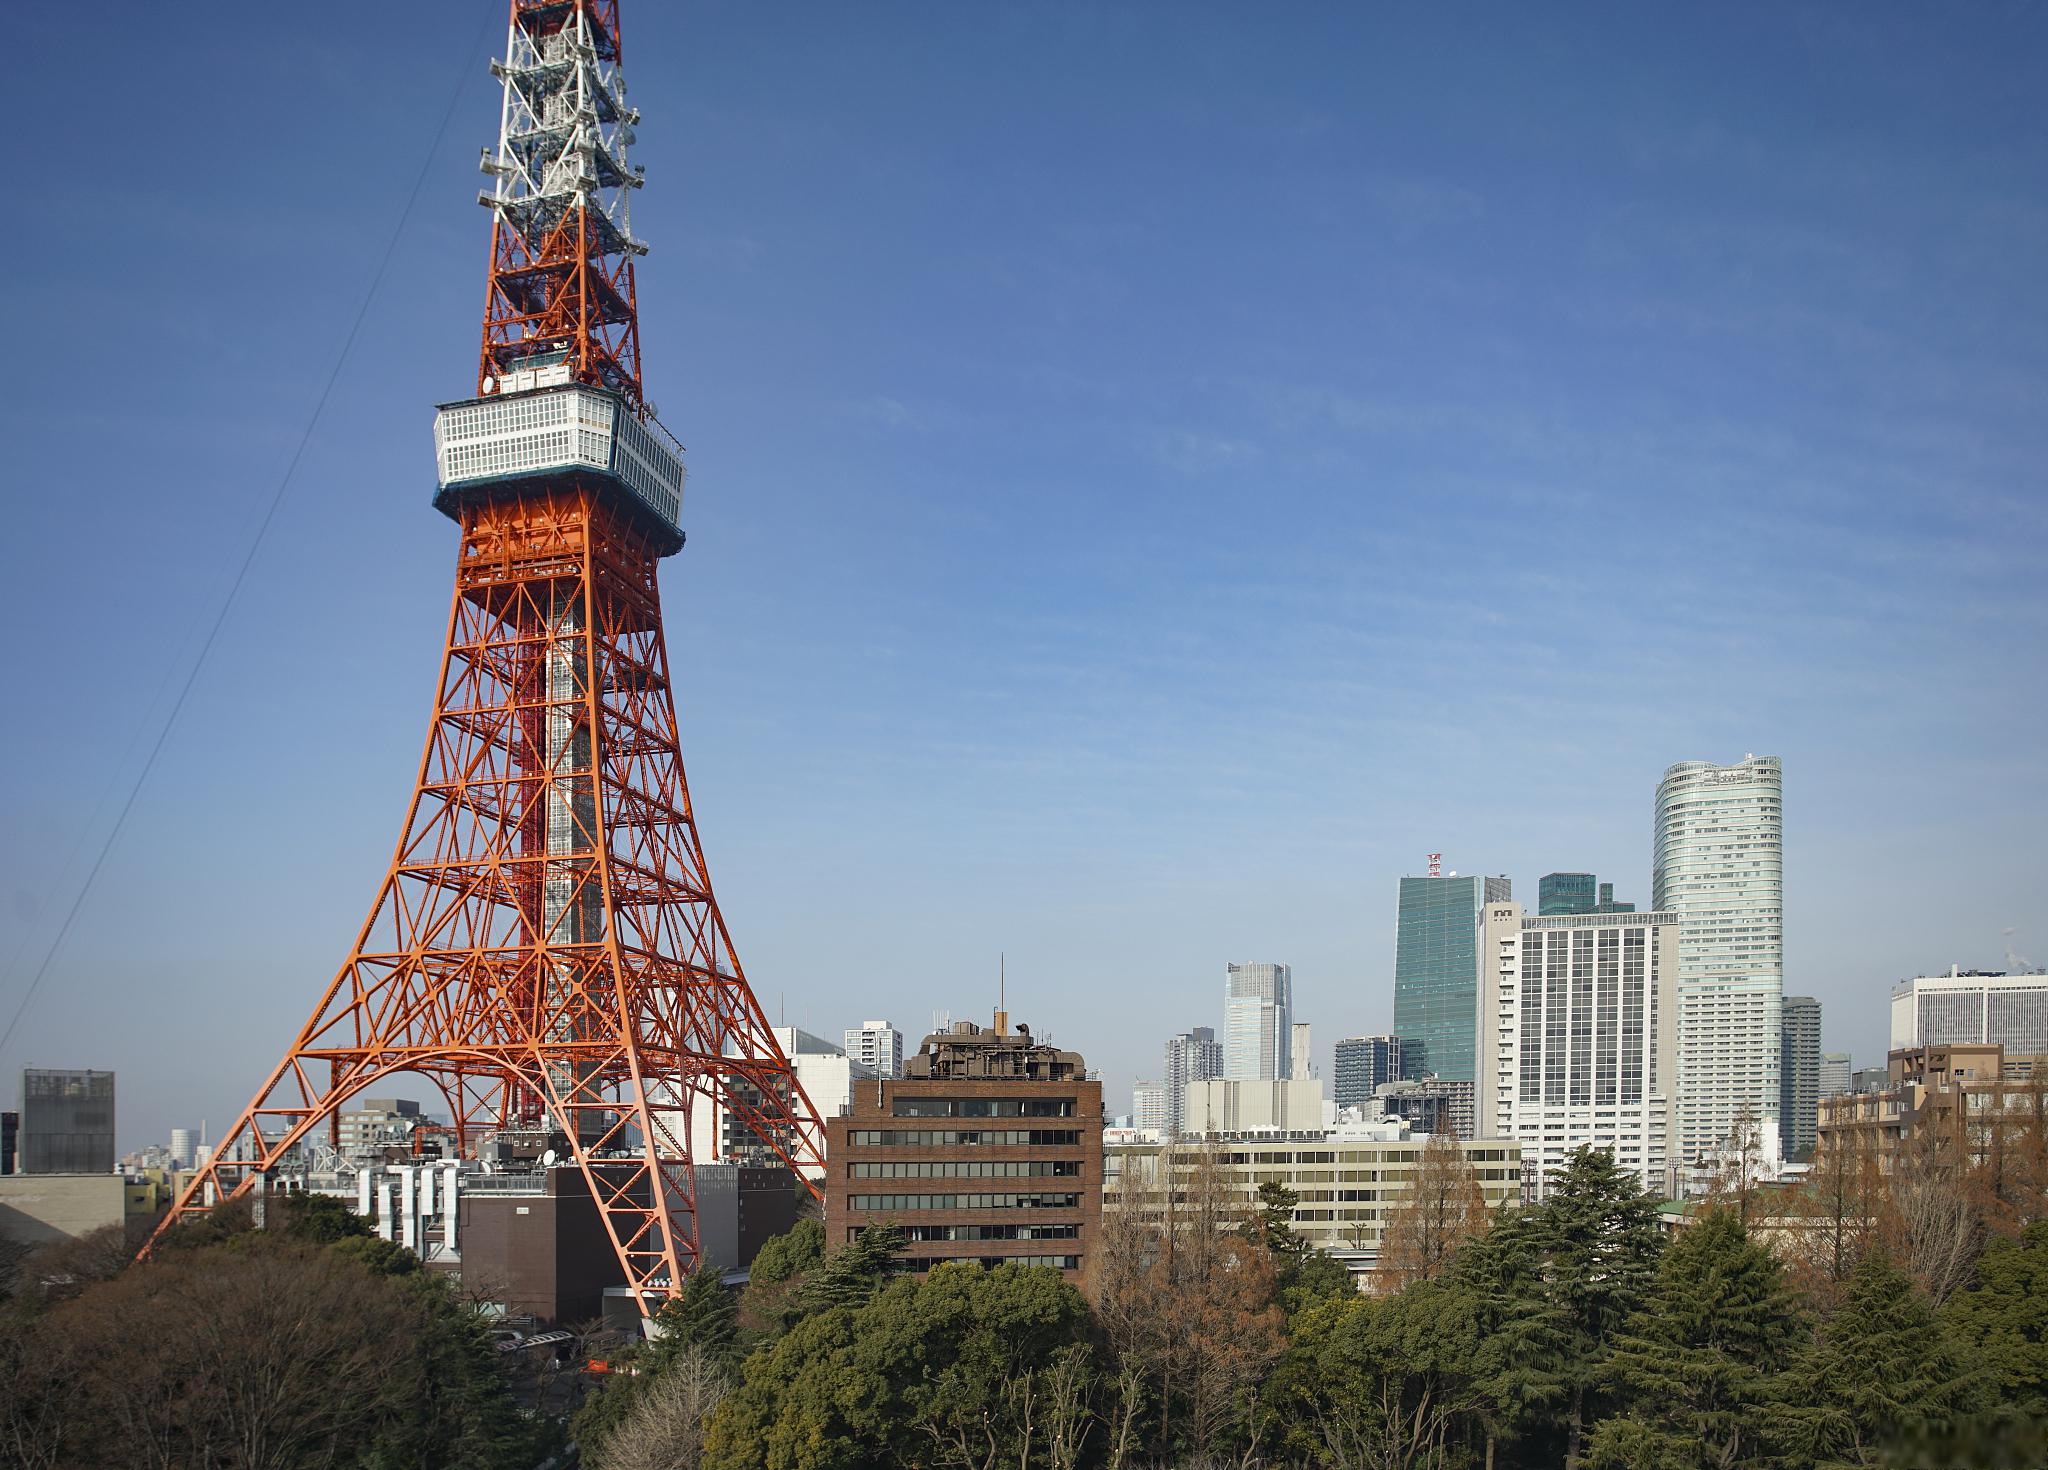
{"x":1982,"y":1006}
{"x":1258,"y":1022}
{"x":878,"y":1046}
{"x":1303,"y":1051}
{"x":1719,"y":865}
{"x":1193,"y":1056}
{"x":1835,"y":1074}
{"x":184,"y":1147}
{"x":1148,"y":1107}
{"x":1577,"y":1038}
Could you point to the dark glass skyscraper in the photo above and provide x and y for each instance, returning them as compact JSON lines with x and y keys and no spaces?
{"x":1565,"y":893}
{"x":1577,"y":893}
{"x":1363,"y":1063}
{"x":1436,"y":972}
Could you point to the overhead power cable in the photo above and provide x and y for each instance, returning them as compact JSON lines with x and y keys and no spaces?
{"x":263,"y":526}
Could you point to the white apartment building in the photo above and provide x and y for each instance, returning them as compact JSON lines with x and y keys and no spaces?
{"x":1577,"y":1038}
{"x":1302,"y":1049}
{"x":1980,"y":1006}
{"x":878,"y":1046}
{"x":1719,"y":865}
{"x":1258,"y":1022}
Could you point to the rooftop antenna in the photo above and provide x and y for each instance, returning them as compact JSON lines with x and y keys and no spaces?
{"x":1002,"y":993}
{"x":1436,"y":865}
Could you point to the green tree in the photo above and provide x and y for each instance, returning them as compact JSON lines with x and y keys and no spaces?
{"x":1703,"y":1359}
{"x":1879,"y":1376}
{"x":1597,"y":1237}
{"x":1314,"y":1276}
{"x":1272,"y":1225}
{"x":953,"y":1370}
{"x":773,"y":1300}
{"x":2004,"y":1318}
{"x":852,"y":1274}
{"x":705,"y":1317}
{"x":1379,"y":1381}
{"x":321,"y":1219}
{"x":1515,"y":1378}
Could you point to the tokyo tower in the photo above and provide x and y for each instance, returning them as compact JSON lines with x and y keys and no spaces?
{"x":545,"y":947}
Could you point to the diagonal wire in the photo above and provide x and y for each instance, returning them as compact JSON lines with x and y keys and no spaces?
{"x":263,"y":526}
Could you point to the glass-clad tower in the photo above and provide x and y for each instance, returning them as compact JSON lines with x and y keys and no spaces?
{"x":1258,"y":1022}
{"x":1719,"y":864}
{"x":1436,"y":972}
{"x":1799,"y":1076}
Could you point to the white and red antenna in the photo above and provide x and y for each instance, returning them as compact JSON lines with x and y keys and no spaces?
{"x":1436,"y":865}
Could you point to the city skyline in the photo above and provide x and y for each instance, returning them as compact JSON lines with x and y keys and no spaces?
{"x":1273,"y":378}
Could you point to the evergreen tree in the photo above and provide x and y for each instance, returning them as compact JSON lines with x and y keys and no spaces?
{"x":855,"y":1272}
{"x":705,"y":1316}
{"x":1880,"y":1376}
{"x":1597,"y":1237}
{"x":1515,"y":1375}
{"x":2004,"y":1318}
{"x":1702,"y":1361}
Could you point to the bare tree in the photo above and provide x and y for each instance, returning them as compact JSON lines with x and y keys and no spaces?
{"x":1442,"y":1209}
{"x":665,"y":1429}
{"x":1831,"y":1222}
{"x":1927,"y":1220}
{"x":1185,"y":1299}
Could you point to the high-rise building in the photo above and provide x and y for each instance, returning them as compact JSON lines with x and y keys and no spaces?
{"x":1799,"y":1075}
{"x":1436,"y":972}
{"x":1429,"y":1105}
{"x":183,"y":1142}
{"x":1565,"y":893}
{"x":1576,"y":893}
{"x":1195,"y":1055}
{"x":67,"y":1122}
{"x":1719,"y":865}
{"x":1579,"y":1032}
{"x":1148,"y":1107}
{"x":1258,"y":1022}
{"x":1986,"y":1007}
{"x":1836,"y":1074}
{"x":988,"y":1148}
{"x":1363,"y":1063}
{"x":878,"y":1046}
{"x":826,"y":1074}
{"x":1301,"y":1048}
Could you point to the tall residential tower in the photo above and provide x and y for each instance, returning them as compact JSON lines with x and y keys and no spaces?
{"x":1799,"y":1076}
{"x":1719,"y":864}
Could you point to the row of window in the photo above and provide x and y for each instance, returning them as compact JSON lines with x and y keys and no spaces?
{"x":1058,"y":1263}
{"x":963,"y":1168}
{"x":889,"y":1202}
{"x":983,"y":1232}
{"x":982,"y":1107}
{"x":970,"y":1137}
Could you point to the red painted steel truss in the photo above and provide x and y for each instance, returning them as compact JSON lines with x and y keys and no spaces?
{"x":546,"y":949}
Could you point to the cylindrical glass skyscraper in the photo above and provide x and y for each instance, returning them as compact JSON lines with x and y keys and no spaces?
{"x":1719,"y":863}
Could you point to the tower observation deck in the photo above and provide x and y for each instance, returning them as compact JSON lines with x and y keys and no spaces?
{"x":559,"y":393}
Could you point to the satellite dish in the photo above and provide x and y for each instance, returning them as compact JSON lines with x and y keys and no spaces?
{"x":547,"y":1160}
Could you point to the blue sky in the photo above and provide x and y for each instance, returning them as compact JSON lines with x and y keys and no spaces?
{"x":1157,"y":472}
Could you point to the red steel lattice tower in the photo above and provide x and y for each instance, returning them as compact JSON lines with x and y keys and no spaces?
{"x":545,"y":948}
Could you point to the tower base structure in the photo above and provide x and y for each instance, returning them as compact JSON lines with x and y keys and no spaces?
{"x":545,"y":949}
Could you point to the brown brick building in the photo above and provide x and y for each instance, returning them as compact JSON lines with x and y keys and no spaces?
{"x":988,"y":1148}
